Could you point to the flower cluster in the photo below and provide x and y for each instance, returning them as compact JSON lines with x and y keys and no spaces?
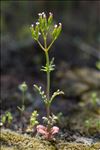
{"x":45,"y":26}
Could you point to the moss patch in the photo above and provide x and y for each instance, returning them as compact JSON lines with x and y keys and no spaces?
{"x":13,"y":141}
{"x":23,"y":142}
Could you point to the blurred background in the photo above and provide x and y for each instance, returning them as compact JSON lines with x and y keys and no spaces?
{"x":76,"y":51}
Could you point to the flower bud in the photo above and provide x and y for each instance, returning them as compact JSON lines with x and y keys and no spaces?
{"x":50,"y":19}
{"x":32,"y":25}
{"x":40,"y":14}
{"x":23,"y":87}
{"x":55,"y":26}
{"x":37,"y":23}
{"x":59,"y":29}
{"x":54,"y":33}
{"x":36,"y":31}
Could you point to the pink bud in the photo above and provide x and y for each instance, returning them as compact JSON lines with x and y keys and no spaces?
{"x":48,"y":134}
{"x":41,"y":129}
{"x":54,"y":130}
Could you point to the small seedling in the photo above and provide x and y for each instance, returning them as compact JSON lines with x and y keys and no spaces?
{"x":94,"y":99}
{"x":88,"y":123}
{"x":23,"y":88}
{"x":6,"y":119}
{"x":33,"y":118}
{"x":45,"y":28}
{"x":91,"y":124}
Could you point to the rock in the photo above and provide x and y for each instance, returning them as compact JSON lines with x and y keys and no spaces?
{"x":87,"y":97}
{"x":76,"y":82}
{"x":85,"y":121}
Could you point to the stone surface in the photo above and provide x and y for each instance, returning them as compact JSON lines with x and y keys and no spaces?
{"x":77,"y":82}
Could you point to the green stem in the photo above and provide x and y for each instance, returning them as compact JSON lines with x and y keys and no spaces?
{"x":51,"y":44}
{"x":41,"y":45}
{"x":23,"y":98}
{"x":48,"y":78}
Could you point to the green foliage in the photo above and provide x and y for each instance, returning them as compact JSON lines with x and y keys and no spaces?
{"x":94,"y":99}
{"x":89,"y":124}
{"x":22,"y":108}
{"x":33,"y":118}
{"x":51,"y":120}
{"x":43,"y":28}
{"x":7,"y":118}
{"x":58,"y":92}
{"x":49,"y":68}
{"x":56,"y":31}
{"x":43,"y":96}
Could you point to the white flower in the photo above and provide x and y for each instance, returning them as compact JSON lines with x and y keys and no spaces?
{"x":60,"y":24}
{"x":55,"y":26}
{"x":37,"y":23}
{"x":32,"y":25}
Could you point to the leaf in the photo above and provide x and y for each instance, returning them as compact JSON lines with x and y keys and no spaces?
{"x":39,"y":89}
{"x":3,"y":119}
{"x":58,"y":92}
{"x":21,"y":108}
{"x":49,"y":68}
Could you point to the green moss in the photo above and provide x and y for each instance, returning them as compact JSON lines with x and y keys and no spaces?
{"x":78,"y":146}
{"x":23,"y":142}
{"x":13,"y":141}
{"x":4,"y":147}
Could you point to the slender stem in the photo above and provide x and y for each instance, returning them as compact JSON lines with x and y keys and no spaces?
{"x":50,"y":44}
{"x":48,"y":78}
{"x":23,"y":98}
{"x":41,"y":45}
